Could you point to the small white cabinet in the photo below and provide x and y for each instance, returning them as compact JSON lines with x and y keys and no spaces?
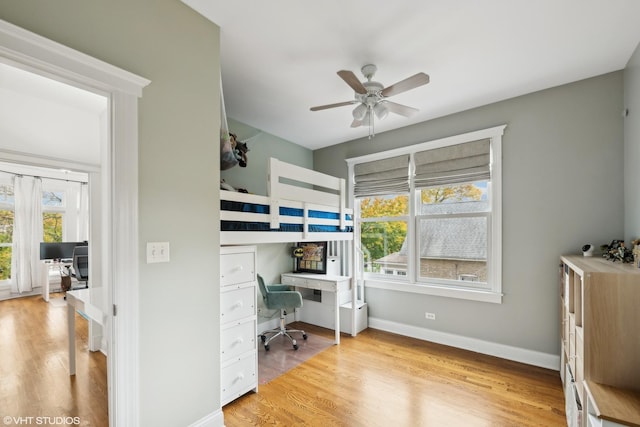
{"x":238,"y":322}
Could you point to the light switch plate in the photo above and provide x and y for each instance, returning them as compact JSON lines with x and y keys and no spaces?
{"x":157,"y":252}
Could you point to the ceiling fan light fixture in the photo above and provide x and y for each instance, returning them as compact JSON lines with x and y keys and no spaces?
{"x":367,"y":120}
{"x":359,"y":112}
{"x":381,"y":111}
{"x":371,"y":97}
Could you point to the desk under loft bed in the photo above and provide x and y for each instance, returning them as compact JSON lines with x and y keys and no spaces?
{"x":302,"y":205}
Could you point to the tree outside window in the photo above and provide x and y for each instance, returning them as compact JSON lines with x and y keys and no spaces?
{"x":6,"y":240}
{"x":52,"y":204}
{"x":383,"y":228}
{"x":6,"y":230}
{"x":52,"y":227}
{"x":52,"y":218}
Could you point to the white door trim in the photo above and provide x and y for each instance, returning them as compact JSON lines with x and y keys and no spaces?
{"x":120,"y":262}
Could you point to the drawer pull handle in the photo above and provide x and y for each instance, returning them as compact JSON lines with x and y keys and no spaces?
{"x":238,"y":340}
{"x":239,"y":377}
{"x":238,"y":304}
{"x":238,"y":268}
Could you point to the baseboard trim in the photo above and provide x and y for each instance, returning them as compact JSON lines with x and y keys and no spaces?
{"x":517,"y":354}
{"x":5,"y":292}
{"x":214,"y":419}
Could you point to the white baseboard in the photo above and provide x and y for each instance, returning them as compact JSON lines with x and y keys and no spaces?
{"x":7,"y":294}
{"x":530,"y":357}
{"x":214,"y":419}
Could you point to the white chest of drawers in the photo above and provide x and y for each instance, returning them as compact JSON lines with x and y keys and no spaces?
{"x":238,"y":322}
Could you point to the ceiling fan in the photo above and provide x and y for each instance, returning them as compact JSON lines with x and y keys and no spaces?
{"x":371,"y":97}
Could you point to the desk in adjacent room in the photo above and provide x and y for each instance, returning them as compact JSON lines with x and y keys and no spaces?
{"x":89,"y":302}
{"x":56,"y":266}
{"x":338,"y":285}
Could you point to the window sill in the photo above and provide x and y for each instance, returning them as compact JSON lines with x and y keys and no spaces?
{"x":415,"y":288}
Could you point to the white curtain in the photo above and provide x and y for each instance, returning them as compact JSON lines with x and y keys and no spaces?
{"x":83,"y":212}
{"x":26,"y":268}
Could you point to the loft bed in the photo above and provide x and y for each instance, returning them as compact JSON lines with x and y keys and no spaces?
{"x":302,"y":205}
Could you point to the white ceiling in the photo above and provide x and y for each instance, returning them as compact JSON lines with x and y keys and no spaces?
{"x":280,"y":57}
{"x":43,"y":117}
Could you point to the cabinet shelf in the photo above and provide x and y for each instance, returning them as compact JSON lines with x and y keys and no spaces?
{"x":599,"y":320}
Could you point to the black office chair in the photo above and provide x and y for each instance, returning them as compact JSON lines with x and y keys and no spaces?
{"x":279,"y":297}
{"x":81,"y":266}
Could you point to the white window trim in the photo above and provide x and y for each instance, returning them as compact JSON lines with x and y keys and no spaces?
{"x":494,"y":266}
{"x":444,"y":282}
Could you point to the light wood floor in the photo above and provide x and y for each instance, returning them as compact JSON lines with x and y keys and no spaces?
{"x":375,"y":379}
{"x":34,"y":366}
{"x":382,"y":379}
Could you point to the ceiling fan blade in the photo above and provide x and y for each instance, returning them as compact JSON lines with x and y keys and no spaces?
{"x":352,"y":81}
{"x":339,"y":104}
{"x":403,"y":110}
{"x":406,"y":84}
{"x":356,"y":123}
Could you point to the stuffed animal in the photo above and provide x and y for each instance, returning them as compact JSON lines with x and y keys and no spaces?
{"x":240,"y":150}
{"x":616,"y":251}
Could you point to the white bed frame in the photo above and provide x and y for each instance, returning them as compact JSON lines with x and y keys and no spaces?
{"x":328,"y":194}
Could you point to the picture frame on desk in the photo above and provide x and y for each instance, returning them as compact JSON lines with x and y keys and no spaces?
{"x":313,"y":258}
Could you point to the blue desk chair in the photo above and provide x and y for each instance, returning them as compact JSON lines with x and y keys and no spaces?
{"x":280,"y":297}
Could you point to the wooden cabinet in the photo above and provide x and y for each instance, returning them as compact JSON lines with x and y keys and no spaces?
{"x":600,"y":320}
{"x":238,"y":322}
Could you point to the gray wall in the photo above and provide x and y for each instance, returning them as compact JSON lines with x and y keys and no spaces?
{"x":632,"y":148}
{"x":178,"y":191}
{"x":263,"y":145}
{"x":273,"y":259}
{"x":562,"y":187}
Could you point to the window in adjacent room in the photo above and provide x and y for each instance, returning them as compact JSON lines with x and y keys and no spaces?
{"x":6,"y":229}
{"x":53,"y":212}
{"x":53,"y":207}
{"x":429,"y":216}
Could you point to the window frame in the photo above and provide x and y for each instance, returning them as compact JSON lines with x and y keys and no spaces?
{"x":51,"y":186}
{"x":457,"y":283}
{"x":410,"y":283}
{"x":5,"y":206}
{"x":382,"y":219}
{"x":48,"y":185}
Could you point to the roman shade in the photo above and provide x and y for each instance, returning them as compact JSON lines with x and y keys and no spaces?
{"x":382,"y":177}
{"x":453,"y":164}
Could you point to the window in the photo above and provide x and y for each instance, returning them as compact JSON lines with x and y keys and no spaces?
{"x":429,"y":216}
{"x":53,"y":207}
{"x":452,"y":232}
{"x":6,"y":230}
{"x":52,"y":215}
{"x":383,"y":230}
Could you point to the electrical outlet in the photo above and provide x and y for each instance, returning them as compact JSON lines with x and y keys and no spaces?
{"x":430,"y":316}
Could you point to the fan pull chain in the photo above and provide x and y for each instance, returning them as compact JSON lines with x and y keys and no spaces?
{"x":371,"y":123}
